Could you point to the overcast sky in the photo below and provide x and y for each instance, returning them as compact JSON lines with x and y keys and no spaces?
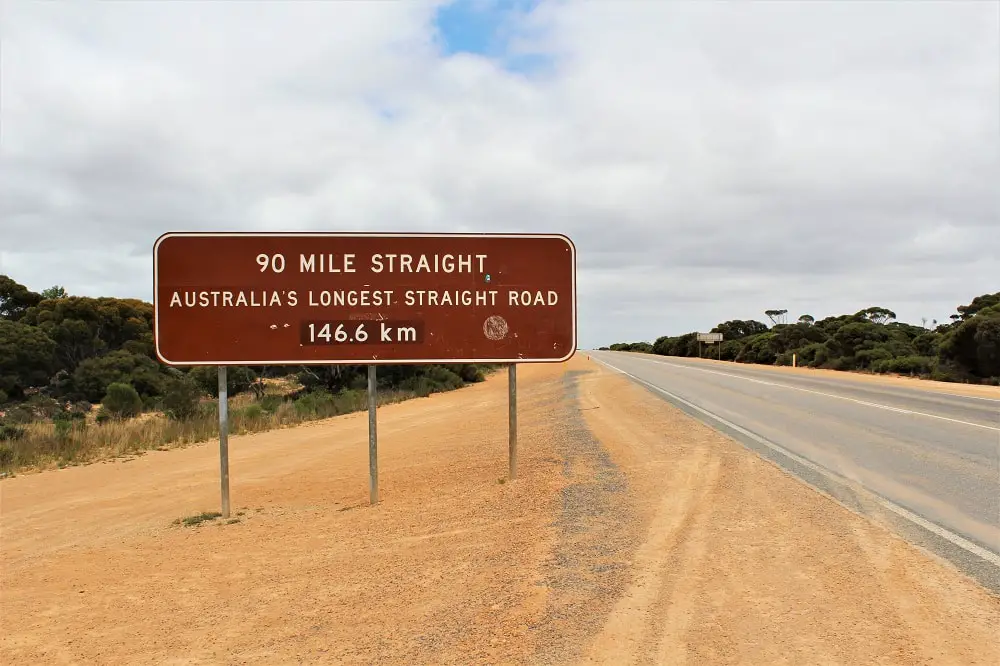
{"x":709,"y":160}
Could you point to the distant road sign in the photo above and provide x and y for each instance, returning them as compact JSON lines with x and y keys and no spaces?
{"x":371,"y":298}
{"x":710,"y":337}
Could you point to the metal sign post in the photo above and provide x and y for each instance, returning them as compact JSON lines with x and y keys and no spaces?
{"x":512,"y":419}
{"x":224,"y":438}
{"x":372,"y":438}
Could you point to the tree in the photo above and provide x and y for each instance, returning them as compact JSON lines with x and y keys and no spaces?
{"x":734,"y":329}
{"x":858,"y":336}
{"x":807,"y":319}
{"x":776,"y":316}
{"x":978,"y":304}
{"x":26,"y":358}
{"x":878,"y":315}
{"x":54,"y":292}
{"x":93,"y":376}
{"x":15,"y":299}
{"x":85,"y":327}
{"x":974,"y":345}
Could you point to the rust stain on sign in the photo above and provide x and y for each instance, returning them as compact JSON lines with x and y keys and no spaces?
{"x":225,"y":298}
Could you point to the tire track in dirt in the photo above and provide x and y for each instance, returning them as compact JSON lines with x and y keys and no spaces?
{"x":651,"y":575}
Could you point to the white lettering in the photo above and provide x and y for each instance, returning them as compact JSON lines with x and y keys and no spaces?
{"x":425,"y":263}
{"x":175,"y":299}
{"x":527,"y":298}
{"x":328,"y":263}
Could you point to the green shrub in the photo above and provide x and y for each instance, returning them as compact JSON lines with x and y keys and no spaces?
{"x":10,"y":432}
{"x":103,"y":416}
{"x":252,"y":411}
{"x":20,"y":414}
{"x":905,"y":365}
{"x":867,"y":358}
{"x":472,"y":374}
{"x":314,"y":404}
{"x":443,"y":378}
{"x":7,"y":455}
{"x":840,"y":363}
{"x":79,"y":410}
{"x":43,"y":407}
{"x":181,"y":398}
{"x":271,"y":403}
{"x":122,"y":401}
{"x":64,"y":428}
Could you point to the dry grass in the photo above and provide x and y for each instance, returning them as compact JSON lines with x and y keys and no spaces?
{"x":46,"y":444}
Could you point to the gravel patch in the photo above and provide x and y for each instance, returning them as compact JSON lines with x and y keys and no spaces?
{"x":597,"y":535}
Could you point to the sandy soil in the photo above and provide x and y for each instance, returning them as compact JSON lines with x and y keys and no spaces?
{"x":974,"y":390}
{"x":633,"y":535}
{"x":741,"y":564}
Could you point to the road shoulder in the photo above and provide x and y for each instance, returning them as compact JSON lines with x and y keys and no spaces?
{"x":741,"y":563}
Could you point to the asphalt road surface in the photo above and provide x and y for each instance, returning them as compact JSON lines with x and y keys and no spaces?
{"x":935,"y":455}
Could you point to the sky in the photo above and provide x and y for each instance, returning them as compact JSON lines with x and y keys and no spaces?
{"x":710,"y":160}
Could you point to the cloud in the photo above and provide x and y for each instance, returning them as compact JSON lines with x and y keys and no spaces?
{"x":710,"y":160}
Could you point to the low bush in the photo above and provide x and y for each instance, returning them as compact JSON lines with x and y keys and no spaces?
{"x":181,"y":398}
{"x":122,"y":401}
{"x":10,"y":432}
{"x":7,"y":456}
{"x":905,"y":365}
{"x":66,"y":440}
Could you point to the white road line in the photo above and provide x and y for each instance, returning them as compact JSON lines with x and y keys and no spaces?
{"x":964,"y":397}
{"x":950,"y":536}
{"x":876,"y":405}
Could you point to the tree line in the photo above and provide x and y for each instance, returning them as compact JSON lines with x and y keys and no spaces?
{"x":964,"y":349}
{"x":78,"y":350}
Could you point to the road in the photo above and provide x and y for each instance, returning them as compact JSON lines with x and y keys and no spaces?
{"x":934,"y":454}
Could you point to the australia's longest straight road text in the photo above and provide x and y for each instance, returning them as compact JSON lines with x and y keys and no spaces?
{"x":935,"y":454}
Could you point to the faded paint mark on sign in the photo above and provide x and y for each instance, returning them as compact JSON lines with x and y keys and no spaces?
{"x":495,"y":328}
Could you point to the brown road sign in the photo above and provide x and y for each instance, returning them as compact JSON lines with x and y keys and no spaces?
{"x":325,"y":298}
